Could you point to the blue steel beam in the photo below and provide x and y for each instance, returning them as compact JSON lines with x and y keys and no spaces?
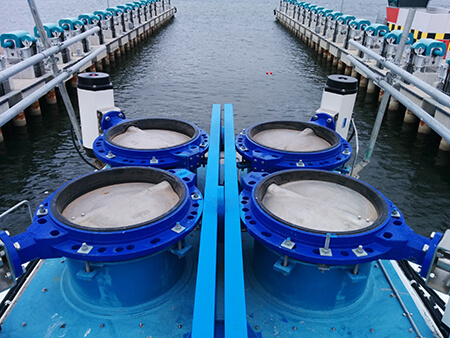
{"x":205,"y":292}
{"x":235,"y":312}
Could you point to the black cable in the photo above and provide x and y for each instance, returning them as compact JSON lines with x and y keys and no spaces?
{"x":416,"y":277}
{"x":72,"y":133}
{"x":429,"y":303}
{"x":16,"y":288}
{"x":353,"y":133}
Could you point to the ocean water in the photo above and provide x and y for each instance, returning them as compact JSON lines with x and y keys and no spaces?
{"x":219,"y":52}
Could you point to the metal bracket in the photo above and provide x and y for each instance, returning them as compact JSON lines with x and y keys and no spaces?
{"x":284,"y":269}
{"x":300,"y":163}
{"x":180,"y":249}
{"x":85,"y":249}
{"x":7,"y":277}
{"x":178,"y":228}
{"x":326,"y":251}
{"x":438,"y":276}
{"x":288,"y":244}
{"x":395,"y":213}
{"x":42,"y":211}
{"x":359,"y":251}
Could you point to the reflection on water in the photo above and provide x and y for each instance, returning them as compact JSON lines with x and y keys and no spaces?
{"x":220,"y":52}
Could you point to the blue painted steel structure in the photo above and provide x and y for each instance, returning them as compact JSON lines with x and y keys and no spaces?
{"x":388,"y":237}
{"x":187,"y":155}
{"x":234,"y":301}
{"x":267,"y":288}
{"x":265,"y":159}
{"x":203,"y":324}
{"x":51,"y":307}
{"x":51,"y":235}
{"x":377,"y":313}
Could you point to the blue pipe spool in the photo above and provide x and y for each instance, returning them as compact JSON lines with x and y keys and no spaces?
{"x":119,"y":274}
{"x":264,"y":157}
{"x":187,"y":154}
{"x":305,"y":262}
{"x":122,"y":255}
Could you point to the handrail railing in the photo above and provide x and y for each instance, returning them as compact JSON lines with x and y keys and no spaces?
{"x":419,"y":112}
{"x":18,"y":205}
{"x":64,"y":75}
{"x":17,"y":68}
{"x":430,"y":90}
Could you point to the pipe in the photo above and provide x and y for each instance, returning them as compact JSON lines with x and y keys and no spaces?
{"x":419,"y":112}
{"x":430,"y":90}
{"x":404,"y":38}
{"x":13,"y":70}
{"x":16,"y":207}
{"x":17,"y":108}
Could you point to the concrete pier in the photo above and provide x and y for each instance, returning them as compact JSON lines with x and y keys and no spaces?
{"x":20,"y":88}
{"x":338,"y":58}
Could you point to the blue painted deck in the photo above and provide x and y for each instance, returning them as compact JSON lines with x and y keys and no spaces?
{"x":45,"y":309}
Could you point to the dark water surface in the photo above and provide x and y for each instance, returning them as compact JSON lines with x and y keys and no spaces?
{"x":219,"y":52}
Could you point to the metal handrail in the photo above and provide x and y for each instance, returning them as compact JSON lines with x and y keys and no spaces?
{"x":65,"y":74}
{"x":18,"y":205}
{"x":430,"y":90}
{"x":419,"y":112}
{"x":17,"y":68}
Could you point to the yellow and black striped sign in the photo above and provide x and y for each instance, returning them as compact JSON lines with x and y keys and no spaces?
{"x":422,"y":35}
